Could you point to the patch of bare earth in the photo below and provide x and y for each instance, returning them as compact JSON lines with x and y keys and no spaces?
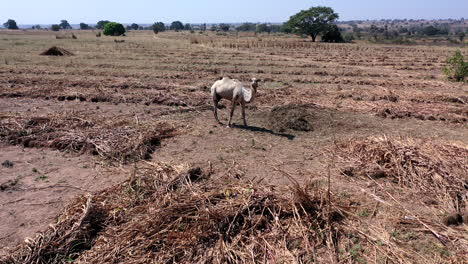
{"x":39,"y":183}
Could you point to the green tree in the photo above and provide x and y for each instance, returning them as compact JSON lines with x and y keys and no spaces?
{"x":247,"y":27}
{"x":10,"y":24}
{"x":333,"y":34}
{"x":457,"y":68}
{"x":176,"y":25}
{"x":113,"y":29}
{"x":263,"y":28}
{"x":224,"y":27}
{"x":188,"y":27}
{"x":134,"y":26}
{"x":431,"y":31}
{"x":286,"y":28}
{"x":158,"y":27}
{"x":64,"y":24}
{"x":101,"y":24}
{"x":84,"y":26}
{"x":55,"y":27}
{"x":313,"y":22}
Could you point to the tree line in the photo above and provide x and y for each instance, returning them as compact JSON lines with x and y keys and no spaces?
{"x":313,"y":22}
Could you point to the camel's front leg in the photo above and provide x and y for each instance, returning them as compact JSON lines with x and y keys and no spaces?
{"x":232,"y":112}
{"x":215,"y":110}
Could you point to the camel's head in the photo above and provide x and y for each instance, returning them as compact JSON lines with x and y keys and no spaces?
{"x":255,"y":82}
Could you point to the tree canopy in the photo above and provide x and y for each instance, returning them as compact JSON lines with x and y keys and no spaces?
{"x":55,"y":27}
{"x":158,"y":27}
{"x":134,"y":26}
{"x":247,"y":27}
{"x":177,"y":25}
{"x":113,"y":29}
{"x":101,"y":24}
{"x":84,"y":26}
{"x":65,"y":25}
{"x":224,"y":27}
{"x":10,"y":24}
{"x":313,"y":22}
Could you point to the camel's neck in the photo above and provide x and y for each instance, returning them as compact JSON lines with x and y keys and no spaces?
{"x":253,"y":90}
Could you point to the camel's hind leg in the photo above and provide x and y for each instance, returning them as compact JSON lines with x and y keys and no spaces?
{"x":232,"y":112}
{"x":243,"y":113}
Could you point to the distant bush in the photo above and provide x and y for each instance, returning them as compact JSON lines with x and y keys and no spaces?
{"x":158,"y":27}
{"x":113,"y":29}
{"x":333,"y":34}
{"x":55,"y":27}
{"x":457,"y":68}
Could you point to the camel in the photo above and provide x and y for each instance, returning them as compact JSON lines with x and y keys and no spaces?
{"x":233,"y":90}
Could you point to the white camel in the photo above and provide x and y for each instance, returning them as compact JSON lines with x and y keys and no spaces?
{"x":233,"y":90}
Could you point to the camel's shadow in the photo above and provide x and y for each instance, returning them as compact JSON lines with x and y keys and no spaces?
{"x":264,"y":130}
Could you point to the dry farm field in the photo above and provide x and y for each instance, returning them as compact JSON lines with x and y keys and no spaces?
{"x":354,"y":153}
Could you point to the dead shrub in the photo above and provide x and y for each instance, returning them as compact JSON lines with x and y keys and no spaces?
{"x":147,"y":219}
{"x":295,"y":117}
{"x":56,"y":51}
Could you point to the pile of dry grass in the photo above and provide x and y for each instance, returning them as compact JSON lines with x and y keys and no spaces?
{"x":56,"y":51}
{"x":165,"y":214}
{"x":182,"y":214}
{"x":425,"y":167}
{"x":295,"y":117}
{"x":118,"y":139}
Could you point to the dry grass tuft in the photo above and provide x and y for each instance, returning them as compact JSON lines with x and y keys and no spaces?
{"x":425,"y":167}
{"x":295,"y":117}
{"x":117,"y":139}
{"x":56,"y":51}
{"x":165,"y":214}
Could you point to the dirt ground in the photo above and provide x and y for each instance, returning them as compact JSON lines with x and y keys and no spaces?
{"x":40,"y":183}
{"x":352,"y":92}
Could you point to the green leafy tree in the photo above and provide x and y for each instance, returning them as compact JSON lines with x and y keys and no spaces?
{"x":84,"y":26}
{"x":313,"y":22}
{"x":457,"y":68}
{"x":176,"y":25}
{"x":113,"y":29}
{"x":333,"y":34}
{"x":431,"y":31}
{"x":101,"y":24}
{"x":286,"y":28}
{"x":158,"y":27}
{"x":64,"y":24}
{"x":188,"y":27}
{"x":55,"y":27}
{"x":134,"y":26}
{"x":10,"y":24}
{"x":203,"y":27}
{"x":224,"y":27}
{"x":263,"y":28}
{"x":247,"y":27}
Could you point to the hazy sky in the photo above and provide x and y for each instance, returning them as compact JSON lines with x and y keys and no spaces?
{"x":216,"y":11}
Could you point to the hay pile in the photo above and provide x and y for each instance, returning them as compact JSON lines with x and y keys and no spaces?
{"x":118,"y":139}
{"x":56,"y":51}
{"x":295,"y":117}
{"x":440,"y":171}
{"x":165,"y":214}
